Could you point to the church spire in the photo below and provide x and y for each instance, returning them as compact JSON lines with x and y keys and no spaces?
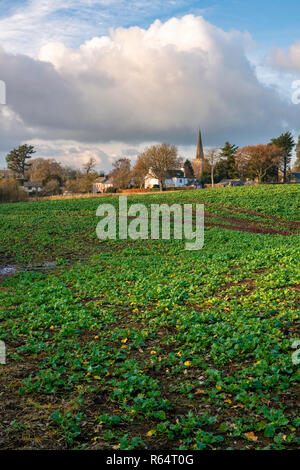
{"x":200,"y":153}
{"x":198,"y":162}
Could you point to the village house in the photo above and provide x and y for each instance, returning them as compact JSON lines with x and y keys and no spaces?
{"x":183,"y":177}
{"x":32,"y":187}
{"x":173,"y":179}
{"x":101,"y":184}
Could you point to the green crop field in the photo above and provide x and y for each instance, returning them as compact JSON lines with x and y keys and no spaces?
{"x":141,"y":344}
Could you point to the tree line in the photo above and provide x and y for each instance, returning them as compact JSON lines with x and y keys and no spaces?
{"x":53,"y":176}
{"x":263,"y":163}
{"x":260,"y":162}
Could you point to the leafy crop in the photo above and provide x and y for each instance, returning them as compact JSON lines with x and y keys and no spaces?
{"x":144,"y":345}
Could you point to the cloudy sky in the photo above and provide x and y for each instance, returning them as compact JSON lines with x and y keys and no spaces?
{"x":105,"y":78}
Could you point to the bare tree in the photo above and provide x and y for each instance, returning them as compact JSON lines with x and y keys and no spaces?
{"x":89,"y":166}
{"x":159,"y":159}
{"x":141,"y":169}
{"x":121,"y":173}
{"x":81,"y":184}
{"x":42,"y":169}
{"x":52,"y":187}
{"x":256,"y":161}
{"x":213,"y":157}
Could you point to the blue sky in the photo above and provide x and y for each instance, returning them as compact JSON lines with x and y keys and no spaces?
{"x":225,"y":65}
{"x":270,"y":22}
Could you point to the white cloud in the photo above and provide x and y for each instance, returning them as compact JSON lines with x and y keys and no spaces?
{"x":38,"y":21}
{"x":142,"y":85}
{"x":287,"y":60}
{"x":76,"y":154}
{"x":34,"y":23}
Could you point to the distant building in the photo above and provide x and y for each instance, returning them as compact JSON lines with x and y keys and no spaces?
{"x":5,"y":174}
{"x":190,"y":175}
{"x":32,"y":187}
{"x":295,"y":177}
{"x":233,"y":182}
{"x":173,"y":179}
{"x":100,"y":185}
{"x":198,"y":162}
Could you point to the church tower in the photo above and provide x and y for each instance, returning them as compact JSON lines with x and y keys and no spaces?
{"x":198,"y":162}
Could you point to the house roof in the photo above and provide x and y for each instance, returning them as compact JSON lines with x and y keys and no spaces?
{"x":297,"y":175}
{"x":174,"y":174}
{"x":103,"y":180}
{"x":31,"y":184}
{"x":169,"y":174}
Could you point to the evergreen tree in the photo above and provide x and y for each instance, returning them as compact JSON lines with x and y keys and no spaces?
{"x":16,"y":159}
{"x":188,"y":168}
{"x":225,"y":168}
{"x":287,"y":143}
{"x":297,"y":162}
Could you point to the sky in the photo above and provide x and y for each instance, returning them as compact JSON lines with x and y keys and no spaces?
{"x":107,"y":78}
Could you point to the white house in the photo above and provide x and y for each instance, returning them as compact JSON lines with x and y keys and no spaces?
{"x":100,"y":185}
{"x":32,"y":187}
{"x":173,"y":179}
